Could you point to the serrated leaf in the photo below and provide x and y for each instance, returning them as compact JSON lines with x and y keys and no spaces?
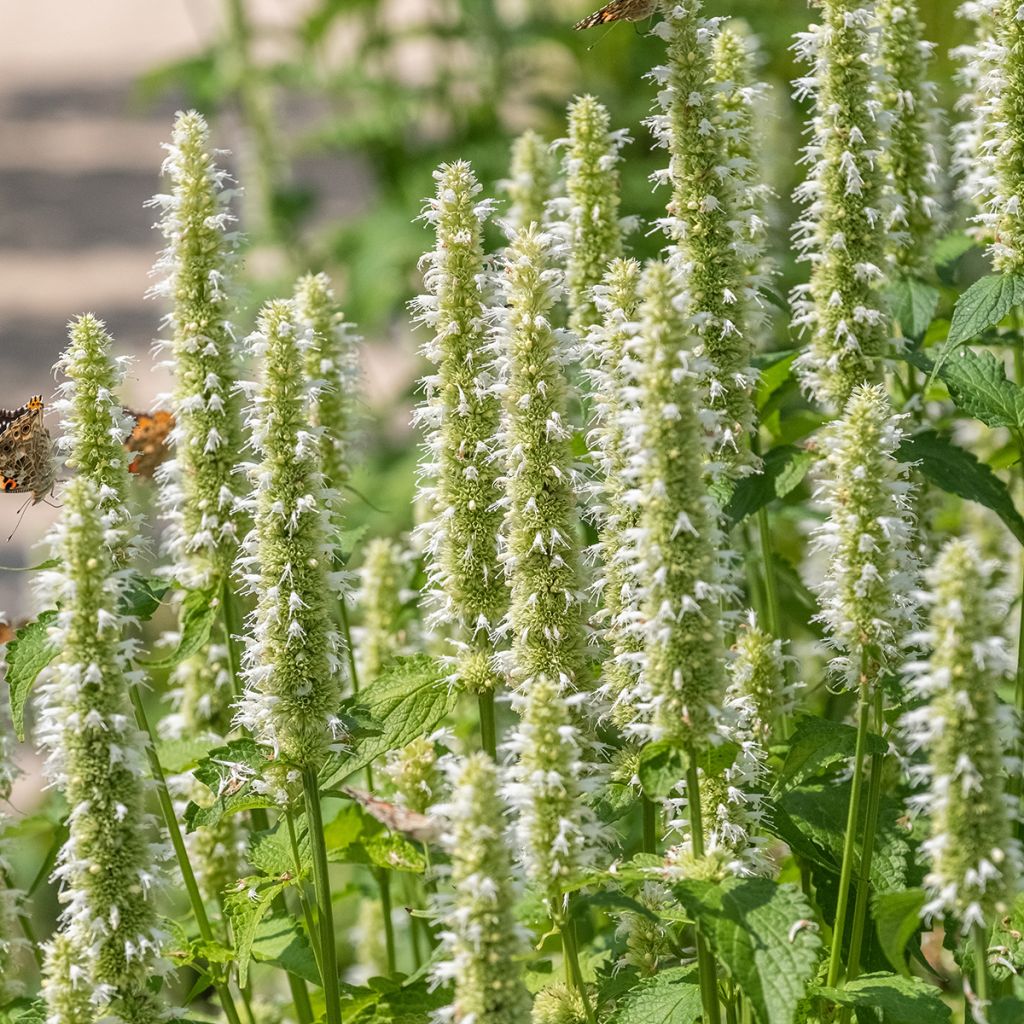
{"x":177,"y":756}
{"x":356,"y":837}
{"x":283,"y":942}
{"x":199,"y":611}
{"x":897,"y":919}
{"x":762,"y":935}
{"x":951,"y":247}
{"x":775,"y":369}
{"x":818,"y":743}
{"x":23,"y":1011}
{"x":231,"y":790}
{"x":143,"y":596}
{"x":409,"y":698}
{"x":246,"y":905}
{"x":782,"y":469}
{"x":661,"y":767}
{"x":957,"y":471}
{"x":985,"y":303}
{"x":979,"y":386}
{"x":812,"y":820}
{"x":271,"y":850}
{"x":672,"y":996}
{"x":28,"y":654}
{"x":893,"y":999}
{"x":912,"y":303}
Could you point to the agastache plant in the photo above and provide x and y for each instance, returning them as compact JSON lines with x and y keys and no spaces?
{"x":541,"y":554}
{"x":973,"y":858}
{"x":612,"y":371}
{"x":382,"y":594}
{"x":200,"y":485}
{"x":590,"y":209}
{"x":480,"y":937}
{"x":461,"y":416}
{"x":841,"y":233}
{"x":706,"y":218}
{"x":332,"y":359}
{"x":910,"y":160}
{"x":532,"y":181}
{"x":106,"y":868}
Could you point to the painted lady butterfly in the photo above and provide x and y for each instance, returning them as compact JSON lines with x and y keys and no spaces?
{"x":26,"y":451}
{"x":148,"y":440}
{"x":619,"y":10}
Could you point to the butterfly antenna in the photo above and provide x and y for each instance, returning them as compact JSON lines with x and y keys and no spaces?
{"x":610,"y":28}
{"x":21,"y":515}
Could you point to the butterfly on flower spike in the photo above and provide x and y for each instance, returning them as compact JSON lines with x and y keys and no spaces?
{"x":619,"y":10}
{"x":27,"y":463}
{"x":148,"y":440}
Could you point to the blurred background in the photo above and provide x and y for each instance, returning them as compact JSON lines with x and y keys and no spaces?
{"x":335,"y":113}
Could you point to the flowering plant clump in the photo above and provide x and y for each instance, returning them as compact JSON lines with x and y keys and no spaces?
{"x":630,"y":703}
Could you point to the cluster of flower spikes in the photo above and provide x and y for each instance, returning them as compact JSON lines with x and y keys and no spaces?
{"x":332,"y":360}
{"x":676,"y":550}
{"x":742,"y":101}
{"x":532,"y":181}
{"x":867,"y":591}
{"x":106,"y":951}
{"x":611,"y":368}
{"x":973,"y":137}
{"x":910,"y":160}
{"x":461,"y":416}
{"x":417,"y":772}
{"x":709,"y":224}
{"x":973,"y":856}
{"x":383,"y":593}
{"x":586,"y":218}
{"x":842,"y":231}
{"x":291,"y":662}
{"x":480,"y":937}
{"x":200,"y":487}
{"x":1002,"y":148}
{"x":549,"y":779}
{"x":541,"y":483}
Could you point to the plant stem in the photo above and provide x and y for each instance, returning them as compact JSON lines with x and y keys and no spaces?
{"x":705,"y":961}
{"x":852,"y":821}
{"x":649,"y":809}
{"x":570,"y":952}
{"x":867,"y":848}
{"x":307,"y":910}
{"x":346,"y":629}
{"x":232,"y":630}
{"x":322,"y":881}
{"x":772,"y":607}
{"x":180,"y":853}
{"x":488,"y":730}
{"x":980,"y":942}
{"x":384,"y":884}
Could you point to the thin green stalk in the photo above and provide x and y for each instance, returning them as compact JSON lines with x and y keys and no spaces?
{"x":852,"y":821}
{"x":570,"y":952}
{"x":322,"y":882}
{"x":649,"y":809}
{"x":307,"y":910}
{"x":384,"y":884}
{"x":346,"y":630}
{"x":488,"y":729}
{"x":232,"y":630}
{"x":980,"y":941}
{"x":705,"y":961}
{"x":180,"y":853}
{"x":868,"y":847}
{"x":772,"y":608}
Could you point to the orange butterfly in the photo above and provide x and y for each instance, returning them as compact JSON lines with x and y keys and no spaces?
{"x":619,"y":10}
{"x":148,"y":440}
{"x":26,"y":451}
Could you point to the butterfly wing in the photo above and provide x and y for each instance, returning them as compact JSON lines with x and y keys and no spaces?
{"x":148,"y":441}
{"x":618,"y":10}
{"x":26,"y":451}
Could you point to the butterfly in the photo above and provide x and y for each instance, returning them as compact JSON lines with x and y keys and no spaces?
{"x":619,"y":10}
{"x":148,"y":440}
{"x":26,"y":451}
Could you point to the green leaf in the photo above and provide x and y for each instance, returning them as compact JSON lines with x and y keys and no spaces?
{"x":892,"y":999}
{"x":583,"y":904}
{"x":672,"y":996}
{"x":1008,"y":1010}
{"x":897,"y":919}
{"x":985,"y":303}
{"x":978,"y":385}
{"x":951,"y":247}
{"x":28,"y":654}
{"x":782,"y":469}
{"x":662,"y":766}
{"x":143,"y":596}
{"x":232,"y":792}
{"x":957,"y":471}
{"x":763,"y":936}
{"x":246,"y":905}
{"x":913,"y":303}
{"x":283,"y":942}
{"x":177,"y":756}
{"x":23,"y":1011}
{"x":409,"y":698}
{"x":356,"y":837}
{"x":812,"y":820}
{"x":818,"y":743}
{"x":775,"y":370}
{"x":271,"y":850}
{"x":199,"y":611}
